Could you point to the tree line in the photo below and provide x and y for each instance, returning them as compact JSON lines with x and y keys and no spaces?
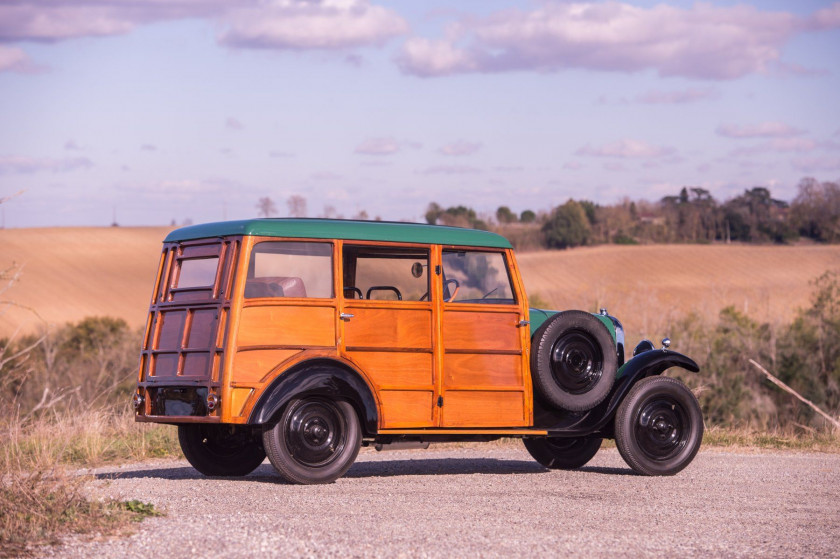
{"x":691,"y":216}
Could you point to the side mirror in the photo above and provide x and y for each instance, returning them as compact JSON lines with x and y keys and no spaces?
{"x":417,"y":269}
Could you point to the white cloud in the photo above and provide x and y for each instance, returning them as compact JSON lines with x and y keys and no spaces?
{"x":460,"y":148}
{"x":626,"y":148}
{"x":13,"y":59}
{"x":761,"y":130}
{"x":450,"y":170}
{"x":279,"y":24}
{"x":11,"y":164}
{"x":677,"y":97}
{"x":233,"y":124}
{"x":703,"y":41}
{"x":815,"y":164}
{"x":378,"y":146}
{"x":301,"y":24}
{"x":778,"y":145}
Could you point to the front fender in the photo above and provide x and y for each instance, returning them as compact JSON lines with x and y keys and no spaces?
{"x":598,"y":419}
{"x":321,"y":378}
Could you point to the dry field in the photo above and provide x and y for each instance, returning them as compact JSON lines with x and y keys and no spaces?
{"x":648,"y":287}
{"x":74,"y":272}
{"x":70,"y":273}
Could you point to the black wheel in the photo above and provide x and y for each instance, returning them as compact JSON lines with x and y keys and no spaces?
{"x":573,"y":361}
{"x":316,"y":440}
{"x":659,"y":426}
{"x":220,"y":450}
{"x":559,"y":453}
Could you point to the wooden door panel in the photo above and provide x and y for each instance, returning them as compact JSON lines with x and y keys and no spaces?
{"x":388,"y":328}
{"x":475,"y":369}
{"x":387,"y":369}
{"x":481,"y":331}
{"x":478,"y":408}
{"x":406,"y":408}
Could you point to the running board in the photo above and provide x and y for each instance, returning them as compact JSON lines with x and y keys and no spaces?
{"x":462,"y":432}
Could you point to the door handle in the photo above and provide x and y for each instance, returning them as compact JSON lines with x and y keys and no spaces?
{"x":345,"y":316}
{"x":523,"y":323}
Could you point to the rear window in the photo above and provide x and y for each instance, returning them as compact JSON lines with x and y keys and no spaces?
{"x":290,"y":269}
{"x":197,"y":272}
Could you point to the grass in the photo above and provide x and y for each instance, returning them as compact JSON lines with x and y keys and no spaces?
{"x":43,"y":499}
{"x":748,"y":439}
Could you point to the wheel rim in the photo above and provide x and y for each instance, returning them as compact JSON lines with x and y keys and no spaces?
{"x":577,"y":362}
{"x":224,"y":442}
{"x":315,"y":432}
{"x":662,"y":428}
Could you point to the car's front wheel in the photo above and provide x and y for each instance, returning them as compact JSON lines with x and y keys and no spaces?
{"x":558,"y":453}
{"x":220,"y":450}
{"x":659,"y":426}
{"x":316,"y":440}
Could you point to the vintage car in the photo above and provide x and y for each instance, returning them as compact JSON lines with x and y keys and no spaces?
{"x":304,"y":339}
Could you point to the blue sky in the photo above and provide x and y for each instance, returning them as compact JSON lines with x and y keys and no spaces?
{"x":164,"y":110}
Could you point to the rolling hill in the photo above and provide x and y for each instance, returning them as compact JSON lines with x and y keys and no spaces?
{"x":71,"y":273}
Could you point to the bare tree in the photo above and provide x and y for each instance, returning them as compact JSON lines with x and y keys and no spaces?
{"x":266,"y":207}
{"x":297,"y":206}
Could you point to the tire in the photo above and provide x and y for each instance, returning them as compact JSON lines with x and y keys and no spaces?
{"x":220,"y":450}
{"x":659,"y":426}
{"x":573,"y":361}
{"x":558,"y":453}
{"x":316,"y":440}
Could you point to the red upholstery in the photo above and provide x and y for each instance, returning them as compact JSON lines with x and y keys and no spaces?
{"x":275,"y":287}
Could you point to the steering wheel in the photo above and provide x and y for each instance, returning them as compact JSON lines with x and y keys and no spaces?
{"x":384,"y":288}
{"x":353,"y":290}
{"x":454,"y":293}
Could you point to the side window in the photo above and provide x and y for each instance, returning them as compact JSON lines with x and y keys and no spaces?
{"x":197,"y":272}
{"x":290,"y":269}
{"x":476,"y":277}
{"x":386,"y":274}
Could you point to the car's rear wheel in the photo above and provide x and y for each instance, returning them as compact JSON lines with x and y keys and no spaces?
{"x":659,"y":426}
{"x":220,"y":450}
{"x":558,"y":453}
{"x":573,"y":361}
{"x":316,"y":440}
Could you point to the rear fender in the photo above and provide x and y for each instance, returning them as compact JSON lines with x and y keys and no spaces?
{"x":323,"y":377}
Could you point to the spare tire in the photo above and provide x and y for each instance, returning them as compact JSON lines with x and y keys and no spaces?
{"x":573,"y":361}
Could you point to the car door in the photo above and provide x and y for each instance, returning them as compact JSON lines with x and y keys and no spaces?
{"x":484,"y":381}
{"x":387,"y":321}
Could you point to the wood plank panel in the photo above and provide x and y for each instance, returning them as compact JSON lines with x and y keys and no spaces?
{"x":388,"y":328}
{"x":470,"y":369}
{"x":254,"y":365}
{"x":238,"y":399}
{"x":484,"y":331}
{"x":287,"y":325}
{"x":394,"y":369}
{"x":483,"y":409}
{"x":406,"y":408}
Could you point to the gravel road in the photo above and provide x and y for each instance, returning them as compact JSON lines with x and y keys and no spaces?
{"x":485,"y":501}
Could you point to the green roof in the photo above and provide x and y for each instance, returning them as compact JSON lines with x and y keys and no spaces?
{"x":342,"y":229}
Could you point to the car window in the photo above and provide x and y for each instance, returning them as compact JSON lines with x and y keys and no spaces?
{"x":386,"y":274}
{"x":197,"y":272}
{"x":476,"y":277}
{"x":290,"y":269}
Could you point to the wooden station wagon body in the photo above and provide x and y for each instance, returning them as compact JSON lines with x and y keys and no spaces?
{"x":330,"y":334}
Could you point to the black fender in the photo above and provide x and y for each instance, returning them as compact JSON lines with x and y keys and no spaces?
{"x":321,"y":377}
{"x":599,"y":419}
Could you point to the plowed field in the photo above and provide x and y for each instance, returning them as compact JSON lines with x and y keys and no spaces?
{"x":70,"y":273}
